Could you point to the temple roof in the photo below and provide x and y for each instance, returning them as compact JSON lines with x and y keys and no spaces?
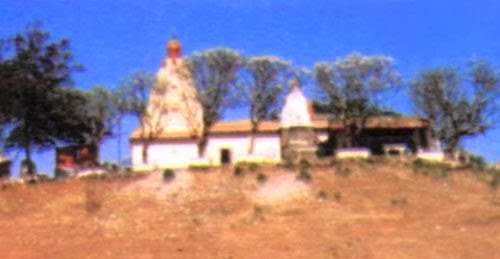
{"x":318,"y":123}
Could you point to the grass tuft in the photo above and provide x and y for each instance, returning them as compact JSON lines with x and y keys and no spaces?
{"x":238,"y":171}
{"x":261,"y":178}
{"x":168,"y":175}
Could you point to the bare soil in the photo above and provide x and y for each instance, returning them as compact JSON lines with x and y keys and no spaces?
{"x":373,"y":211}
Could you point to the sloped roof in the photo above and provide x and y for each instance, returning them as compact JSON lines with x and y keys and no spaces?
{"x":319,"y":123}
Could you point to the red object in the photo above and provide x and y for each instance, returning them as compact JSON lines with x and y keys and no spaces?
{"x":73,"y":157}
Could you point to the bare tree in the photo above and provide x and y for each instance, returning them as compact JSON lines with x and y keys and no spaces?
{"x":214,"y":73}
{"x":133,"y":97}
{"x":457,"y":105}
{"x":351,"y":85}
{"x":268,"y":78}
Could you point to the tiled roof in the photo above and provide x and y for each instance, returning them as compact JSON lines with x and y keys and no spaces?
{"x":319,"y":123}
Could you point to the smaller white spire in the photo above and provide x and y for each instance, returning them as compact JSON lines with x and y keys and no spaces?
{"x":295,"y":112}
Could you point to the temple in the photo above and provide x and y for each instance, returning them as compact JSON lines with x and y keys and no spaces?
{"x":173,"y":123}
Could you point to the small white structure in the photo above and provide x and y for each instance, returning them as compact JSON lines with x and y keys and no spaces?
{"x":296,"y":111}
{"x":434,"y":153}
{"x":353,"y":153}
{"x":173,"y":124}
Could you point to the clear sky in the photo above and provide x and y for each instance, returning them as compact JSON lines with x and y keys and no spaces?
{"x":113,"y":38}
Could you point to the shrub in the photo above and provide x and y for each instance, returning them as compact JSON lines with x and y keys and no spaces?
{"x":60,"y":173}
{"x":342,"y":170}
{"x":29,"y":165}
{"x":477,"y":162}
{"x":495,"y":181}
{"x":337,"y":195}
{"x":238,"y":171}
{"x":399,"y":201}
{"x":253,"y":167}
{"x":304,"y":164}
{"x":435,"y":169}
{"x":44,"y":178}
{"x":115,"y":167}
{"x":168,"y":175}
{"x":93,"y":201}
{"x":322,"y":195}
{"x":261,"y":178}
{"x":304,"y":175}
{"x":95,"y":176}
{"x":199,"y":167}
{"x":127,"y":173}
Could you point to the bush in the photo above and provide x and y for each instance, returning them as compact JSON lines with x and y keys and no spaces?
{"x":29,"y":165}
{"x":322,"y":195}
{"x":304,"y":164}
{"x":337,"y":196}
{"x":342,"y":170}
{"x":495,"y":181}
{"x":399,"y":201}
{"x":477,"y":162}
{"x":168,"y":175}
{"x":238,"y":171}
{"x":60,"y":173}
{"x":261,"y":178}
{"x":93,"y":201}
{"x":199,"y":167}
{"x":304,"y":175}
{"x":95,"y":176}
{"x":115,"y":167}
{"x":44,"y":178}
{"x":253,"y":167}
{"x":435,"y":169}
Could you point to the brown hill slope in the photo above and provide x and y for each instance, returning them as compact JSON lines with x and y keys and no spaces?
{"x":354,"y":210}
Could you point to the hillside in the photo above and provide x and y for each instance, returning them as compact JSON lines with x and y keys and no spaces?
{"x":350,"y":210}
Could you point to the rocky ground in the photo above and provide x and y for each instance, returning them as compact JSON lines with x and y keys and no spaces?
{"x":350,"y":210}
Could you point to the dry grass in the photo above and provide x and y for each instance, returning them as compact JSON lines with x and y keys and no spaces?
{"x":377,"y":211}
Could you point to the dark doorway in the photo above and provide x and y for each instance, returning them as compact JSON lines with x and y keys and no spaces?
{"x":225,"y":156}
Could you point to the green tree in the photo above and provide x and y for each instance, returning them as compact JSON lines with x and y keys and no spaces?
{"x":268,"y":78}
{"x":103,"y":113}
{"x":458,"y":104}
{"x":30,"y":79}
{"x":132,"y":99}
{"x":214,"y":72}
{"x":351,"y":85}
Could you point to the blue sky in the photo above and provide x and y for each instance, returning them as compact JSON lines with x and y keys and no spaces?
{"x":114,"y":38}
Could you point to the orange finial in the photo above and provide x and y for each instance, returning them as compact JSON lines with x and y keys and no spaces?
{"x":174,"y":48}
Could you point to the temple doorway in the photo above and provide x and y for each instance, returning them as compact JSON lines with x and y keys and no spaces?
{"x":225,"y":156}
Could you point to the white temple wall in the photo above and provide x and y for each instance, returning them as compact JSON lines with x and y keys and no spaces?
{"x":267,"y":146}
{"x":181,"y":153}
{"x":173,"y":154}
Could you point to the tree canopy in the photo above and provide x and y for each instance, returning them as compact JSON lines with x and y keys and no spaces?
{"x":351,"y":85}
{"x":264,"y":90}
{"x":458,"y":103}
{"x":33,"y":78}
{"x":215,"y":77}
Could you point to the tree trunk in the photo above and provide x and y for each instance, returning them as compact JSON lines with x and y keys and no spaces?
{"x":451,"y":147}
{"x":145,"y":147}
{"x":28,"y":162}
{"x":120,"y":141}
{"x":253,"y":134}
{"x":202,"y":144}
